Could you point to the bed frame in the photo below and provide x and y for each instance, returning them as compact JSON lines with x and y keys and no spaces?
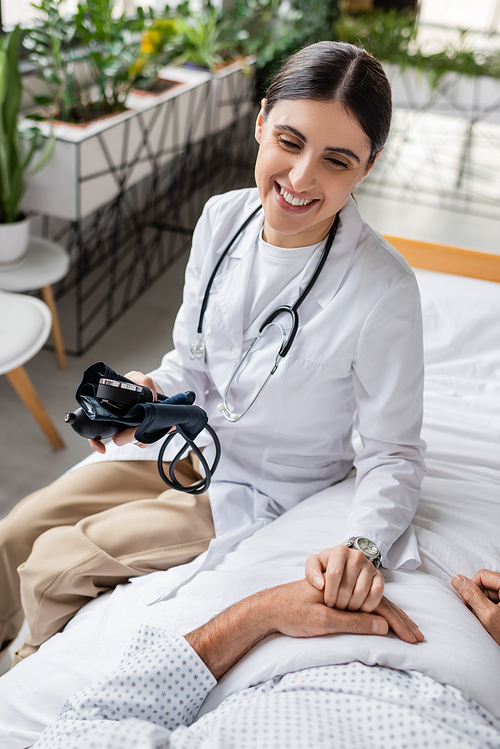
{"x":445,"y":258}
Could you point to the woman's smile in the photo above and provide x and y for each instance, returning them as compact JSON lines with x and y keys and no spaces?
{"x":291,"y":199}
{"x":312,"y":154}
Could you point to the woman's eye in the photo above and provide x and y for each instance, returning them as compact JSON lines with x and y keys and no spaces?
{"x":288,"y":143}
{"x":338,"y":164}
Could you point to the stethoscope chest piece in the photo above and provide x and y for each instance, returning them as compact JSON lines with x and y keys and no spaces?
{"x":197,"y":348}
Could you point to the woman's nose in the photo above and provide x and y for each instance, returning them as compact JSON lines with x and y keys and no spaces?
{"x":303,"y":175}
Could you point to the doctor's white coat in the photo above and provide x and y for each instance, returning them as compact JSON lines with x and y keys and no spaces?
{"x":357,"y":361}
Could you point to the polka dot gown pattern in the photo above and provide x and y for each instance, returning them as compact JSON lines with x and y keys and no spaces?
{"x":151,"y":700}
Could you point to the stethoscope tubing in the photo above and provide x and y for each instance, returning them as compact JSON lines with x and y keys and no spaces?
{"x":211,"y":280}
{"x":283,"y":308}
{"x":292,"y":310}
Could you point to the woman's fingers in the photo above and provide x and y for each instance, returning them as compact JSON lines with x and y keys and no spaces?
{"x":98,"y":446}
{"x":145,"y":381}
{"x":324,"y":572}
{"x":367,"y":591}
{"x":375,"y":592}
{"x":123,"y":438}
{"x":338,"y":582}
{"x":314,"y":571}
{"x":360,"y":584}
{"x":349,"y":580}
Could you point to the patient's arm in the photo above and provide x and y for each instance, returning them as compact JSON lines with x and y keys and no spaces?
{"x":122,"y":710}
{"x":482,"y":594}
{"x":295,"y":609}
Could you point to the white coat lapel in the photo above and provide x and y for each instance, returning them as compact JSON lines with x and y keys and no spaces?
{"x":230,"y":287}
{"x":224,"y":319}
{"x":341,"y":256}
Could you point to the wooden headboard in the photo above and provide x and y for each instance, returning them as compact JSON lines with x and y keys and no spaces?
{"x":448,"y":259}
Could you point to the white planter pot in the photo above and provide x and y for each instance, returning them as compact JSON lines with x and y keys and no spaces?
{"x":14,"y":241}
{"x":233,"y":93}
{"x":92,"y":165}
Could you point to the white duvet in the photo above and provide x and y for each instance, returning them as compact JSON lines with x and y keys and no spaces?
{"x":456,"y":524}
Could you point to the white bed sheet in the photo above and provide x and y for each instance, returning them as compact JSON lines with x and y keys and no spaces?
{"x":456,"y":524}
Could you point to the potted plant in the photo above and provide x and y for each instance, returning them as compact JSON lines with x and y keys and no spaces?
{"x":84,"y":58}
{"x":14,"y":159}
{"x":88,"y":62}
{"x":207,"y":41}
{"x":202,"y":39}
{"x":158,"y":47}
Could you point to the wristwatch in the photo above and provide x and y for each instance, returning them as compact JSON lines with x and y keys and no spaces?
{"x":369,"y":549}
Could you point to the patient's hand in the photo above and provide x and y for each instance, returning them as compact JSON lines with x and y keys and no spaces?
{"x":294,"y":609}
{"x":347,"y":578}
{"x":300,"y":611}
{"x":482,"y":594}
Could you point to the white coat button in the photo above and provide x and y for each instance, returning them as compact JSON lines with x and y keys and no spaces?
{"x":235,"y":352}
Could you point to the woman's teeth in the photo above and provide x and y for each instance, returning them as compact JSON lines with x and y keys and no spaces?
{"x":294,"y":201}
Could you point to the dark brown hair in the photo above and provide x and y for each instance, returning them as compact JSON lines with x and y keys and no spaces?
{"x":336,"y":71}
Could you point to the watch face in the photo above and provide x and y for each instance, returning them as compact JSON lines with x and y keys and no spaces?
{"x":367,"y":547}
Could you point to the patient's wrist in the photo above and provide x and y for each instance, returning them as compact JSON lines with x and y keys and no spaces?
{"x":222,"y":641}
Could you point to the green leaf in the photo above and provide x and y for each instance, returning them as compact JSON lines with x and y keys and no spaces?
{"x":45,"y":156}
{"x":43,"y":101}
{"x":14,"y":91}
{"x":4,"y":73}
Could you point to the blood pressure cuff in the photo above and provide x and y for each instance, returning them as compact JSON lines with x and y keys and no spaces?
{"x":153,"y":419}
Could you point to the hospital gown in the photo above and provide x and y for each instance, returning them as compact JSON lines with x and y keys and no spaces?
{"x":151,"y":700}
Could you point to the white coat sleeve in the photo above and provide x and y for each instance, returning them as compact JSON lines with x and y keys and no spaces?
{"x":177,"y":371}
{"x":388,"y":383}
{"x":144,"y":702}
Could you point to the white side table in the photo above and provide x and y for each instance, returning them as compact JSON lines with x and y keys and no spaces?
{"x":25,"y":324}
{"x":44,"y":264}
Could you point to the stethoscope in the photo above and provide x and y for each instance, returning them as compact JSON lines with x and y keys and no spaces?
{"x":197,"y":348}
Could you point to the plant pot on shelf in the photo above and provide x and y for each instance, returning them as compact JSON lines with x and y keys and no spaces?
{"x":233,"y":89}
{"x":161,"y":85}
{"x":14,"y":241}
{"x":92,"y":165}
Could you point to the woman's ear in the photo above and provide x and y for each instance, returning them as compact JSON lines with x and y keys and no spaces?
{"x":369,"y":168}
{"x":260,"y":122}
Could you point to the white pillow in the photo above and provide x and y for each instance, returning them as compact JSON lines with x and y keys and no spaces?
{"x":461,"y":325}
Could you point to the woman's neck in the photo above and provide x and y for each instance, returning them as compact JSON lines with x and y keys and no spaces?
{"x":311,"y":236}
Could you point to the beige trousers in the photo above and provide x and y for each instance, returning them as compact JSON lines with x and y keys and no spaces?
{"x":88,"y":532}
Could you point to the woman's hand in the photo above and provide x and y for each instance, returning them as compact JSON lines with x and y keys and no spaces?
{"x":348,"y":579}
{"x":128,"y":435}
{"x":482,"y":594}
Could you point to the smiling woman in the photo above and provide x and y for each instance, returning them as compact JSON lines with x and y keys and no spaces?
{"x":299,"y":323}
{"x":323,"y":123}
{"x":305,"y":169}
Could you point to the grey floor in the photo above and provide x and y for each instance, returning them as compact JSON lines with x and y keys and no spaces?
{"x":138,"y":340}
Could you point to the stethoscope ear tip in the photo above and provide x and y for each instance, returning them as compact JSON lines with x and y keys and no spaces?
{"x":220,"y":408}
